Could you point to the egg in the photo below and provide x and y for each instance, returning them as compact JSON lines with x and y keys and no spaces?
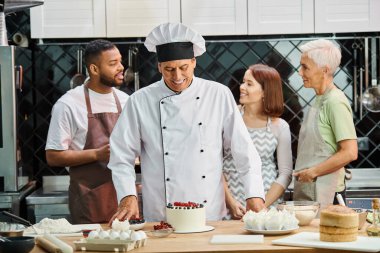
{"x":114,"y":235}
{"x":93,"y":235}
{"x":124,"y":235}
{"x":142,"y":234}
{"x":120,"y":225}
{"x":104,"y":235}
{"x":135,"y":236}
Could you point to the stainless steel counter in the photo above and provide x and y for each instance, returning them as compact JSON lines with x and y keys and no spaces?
{"x":51,"y":200}
{"x":55,"y":191}
{"x":49,"y":195}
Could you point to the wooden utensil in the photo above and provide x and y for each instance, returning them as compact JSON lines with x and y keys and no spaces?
{"x":47,"y":245}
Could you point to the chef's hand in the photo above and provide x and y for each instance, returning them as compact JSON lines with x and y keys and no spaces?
{"x":103,"y":153}
{"x":305,"y":176}
{"x":255,"y":204}
{"x":237,"y":211}
{"x":128,"y":208}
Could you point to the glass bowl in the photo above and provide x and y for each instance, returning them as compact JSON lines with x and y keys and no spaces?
{"x":305,"y":211}
{"x":362,"y":216}
{"x":160,"y":233}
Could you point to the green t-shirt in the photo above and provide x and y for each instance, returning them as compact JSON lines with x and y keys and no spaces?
{"x":336,"y":124}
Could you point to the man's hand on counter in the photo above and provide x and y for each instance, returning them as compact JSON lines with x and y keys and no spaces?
{"x":128,"y":208}
{"x":255,"y":204}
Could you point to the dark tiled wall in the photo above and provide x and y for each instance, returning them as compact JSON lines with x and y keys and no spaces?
{"x":224,"y":61}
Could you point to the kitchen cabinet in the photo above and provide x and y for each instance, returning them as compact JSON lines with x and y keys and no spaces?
{"x":280,"y":17}
{"x":136,"y":18}
{"x":333,"y":16}
{"x":69,"y":19}
{"x":215,"y":17}
{"x":101,"y":18}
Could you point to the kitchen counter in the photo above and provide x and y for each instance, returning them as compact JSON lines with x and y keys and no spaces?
{"x":200,"y":242}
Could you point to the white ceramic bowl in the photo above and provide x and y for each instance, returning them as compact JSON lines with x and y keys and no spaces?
{"x":305,"y":211}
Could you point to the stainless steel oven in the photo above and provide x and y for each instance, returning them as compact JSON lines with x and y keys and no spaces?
{"x":13,"y":174}
{"x":364,"y":186}
{"x":361,"y":189}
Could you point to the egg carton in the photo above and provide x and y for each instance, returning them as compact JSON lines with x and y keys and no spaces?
{"x":116,"y":245}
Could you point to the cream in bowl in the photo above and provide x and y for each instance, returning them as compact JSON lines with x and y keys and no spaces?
{"x":305,"y":211}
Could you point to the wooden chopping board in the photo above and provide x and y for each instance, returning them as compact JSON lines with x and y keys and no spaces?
{"x":310,"y":239}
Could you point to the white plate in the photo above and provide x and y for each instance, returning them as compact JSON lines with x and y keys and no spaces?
{"x":272,"y":232}
{"x":137,"y":226}
{"x":204,"y":229}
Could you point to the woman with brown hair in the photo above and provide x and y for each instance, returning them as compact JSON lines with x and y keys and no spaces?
{"x":262,"y":104}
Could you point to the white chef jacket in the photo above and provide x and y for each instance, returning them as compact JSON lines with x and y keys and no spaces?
{"x":180,"y":138}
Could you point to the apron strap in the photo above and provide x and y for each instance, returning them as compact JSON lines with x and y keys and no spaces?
{"x":117,"y":101}
{"x":87,"y":97}
{"x":88,"y":104}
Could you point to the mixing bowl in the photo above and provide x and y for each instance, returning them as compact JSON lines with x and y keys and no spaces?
{"x":8,"y":229}
{"x":305,"y":211}
{"x":19,"y":244}
{"x":362,"y":216}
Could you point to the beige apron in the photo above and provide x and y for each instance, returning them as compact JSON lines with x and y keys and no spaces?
{"x":312,"y":150}
{"x":92,"y":195}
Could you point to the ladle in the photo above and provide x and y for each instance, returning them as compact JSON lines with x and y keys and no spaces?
{"x":79,"y":77}
{"x":128,"y":74}
{"x":371,"y":96}
{"x":21,"y":220}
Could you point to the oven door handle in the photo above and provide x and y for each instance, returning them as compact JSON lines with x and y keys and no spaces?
{"x":19,"y":77}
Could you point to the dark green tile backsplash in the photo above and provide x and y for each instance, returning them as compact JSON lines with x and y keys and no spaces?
{"x":225,"y":61}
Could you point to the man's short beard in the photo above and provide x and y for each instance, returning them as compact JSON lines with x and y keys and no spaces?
{"x":107,"y":82}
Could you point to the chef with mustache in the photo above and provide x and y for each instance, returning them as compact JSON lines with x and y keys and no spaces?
{"x":179,"y":127}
